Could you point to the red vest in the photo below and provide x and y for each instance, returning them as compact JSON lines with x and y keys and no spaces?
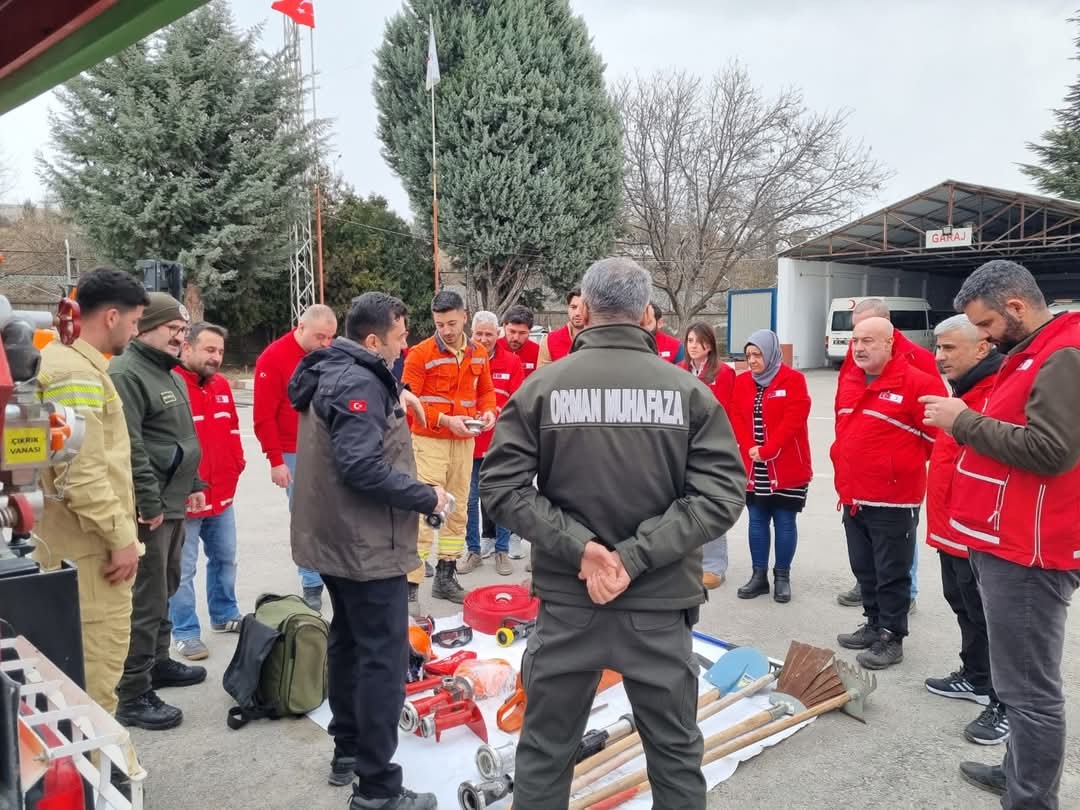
{"x":881,"y":448}
{"x":559,"y":343}
{"x":214,"y":413}
{"x":940,"y":475}
{"x":506,"y":377}
{"x":527,"y":354}
{"x":1017,"y":515}
{"x":667,"y":347}
{"x":785,"y":411}
{"x":722,"y":386}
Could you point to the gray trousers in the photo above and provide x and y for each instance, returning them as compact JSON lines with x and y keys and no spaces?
{"x":156,"y":581}
{"x":561,"y":668}
{"x":1025,"y":622}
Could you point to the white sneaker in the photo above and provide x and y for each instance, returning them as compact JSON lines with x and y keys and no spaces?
{"x":517,"y":548}
{"x":487,"y":547}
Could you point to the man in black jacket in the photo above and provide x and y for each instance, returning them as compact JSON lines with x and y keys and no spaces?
{"x":354,"y":521}
{"x":616,"y":559}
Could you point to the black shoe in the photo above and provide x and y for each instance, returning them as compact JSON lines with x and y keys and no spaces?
{"x":852,"y":598}
{"x":148,"y":711}
{"x":406,"y":800}
{"x":781,"y":584}
{"x":956,"y":685}
{"x":757,"y":585}
{"x":173,"y":673}
{"x":886,"y":651}
{"x":121,"y":782}
{"x":446,"y":585}
{"x":313,"y":597}
{"x":341,"y":770}
{"x":414,"y":592}
{"x":991,"y":727}
{"x":990,"y":778}
{"x":862,"y":639}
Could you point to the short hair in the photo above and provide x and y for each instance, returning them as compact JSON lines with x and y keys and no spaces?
{"x":995,"y":282}
{"x":957,"y":323}
{"x":657,"y":312}
{"x":109,"y":288}
{"x":447,"y":301}
{"x":317,"y":313}
{"x":202,"y":326}
{"x":483,"y":316}
{"x":616,"y":290}
{"x":574,"y":293}
{"x":874,"y":305}
{"x":519,"y":314}
{"x":373,"y":313}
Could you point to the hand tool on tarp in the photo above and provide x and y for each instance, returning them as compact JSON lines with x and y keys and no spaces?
{"x":460,"y":713}
{"x":451,"y":690}
{"x":813,"y":682}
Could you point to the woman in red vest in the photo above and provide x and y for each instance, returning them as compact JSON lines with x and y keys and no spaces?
{"x":771,"y":414}
{"x":703,"y":361}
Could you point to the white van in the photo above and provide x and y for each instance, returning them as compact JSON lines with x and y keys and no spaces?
{"x":910,"y":315}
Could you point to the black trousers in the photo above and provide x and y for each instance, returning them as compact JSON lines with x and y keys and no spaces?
{"x":368,"y":653}
{"x":157,"y":579}
{"x":961,"y":591}
{"x":881,"y":546}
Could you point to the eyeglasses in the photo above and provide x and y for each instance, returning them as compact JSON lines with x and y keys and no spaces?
{"x":178,"y":331}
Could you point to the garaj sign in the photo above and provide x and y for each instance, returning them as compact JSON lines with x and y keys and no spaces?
{"x":958,"y":237}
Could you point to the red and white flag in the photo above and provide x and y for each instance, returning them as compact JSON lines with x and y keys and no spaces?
{"x":302,"y":12}
{"x":433,"y":75}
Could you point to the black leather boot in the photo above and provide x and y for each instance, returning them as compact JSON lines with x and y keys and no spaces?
{"x":781,"y":584}
{"x":446,"y":585}
{"x":757,"y":585}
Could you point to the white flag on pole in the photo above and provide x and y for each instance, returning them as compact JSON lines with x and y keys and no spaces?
{"x":433,"y":76}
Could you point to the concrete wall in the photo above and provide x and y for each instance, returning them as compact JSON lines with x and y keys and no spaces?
{"x":806,"y":288}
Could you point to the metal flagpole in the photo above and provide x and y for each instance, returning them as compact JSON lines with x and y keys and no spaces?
{"x":434,"y":194}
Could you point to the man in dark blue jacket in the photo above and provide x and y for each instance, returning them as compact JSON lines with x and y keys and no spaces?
{"x":354,"y":521}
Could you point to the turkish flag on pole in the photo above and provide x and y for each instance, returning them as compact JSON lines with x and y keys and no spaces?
{"x":302,"y":12}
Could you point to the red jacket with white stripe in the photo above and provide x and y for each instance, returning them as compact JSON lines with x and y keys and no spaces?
{"x":939,"y":478}
{"x":881,"y":448}
{"x":916,"y":355}
{"x":213,"y":410}
{"x":721,"y":387}
{"x":785,"y":409}
{"x":506,"y":376}
{"x":1016,"y":514}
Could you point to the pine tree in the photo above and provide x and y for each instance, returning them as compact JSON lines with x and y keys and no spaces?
{"x":529,"y":151}
{"x":1059,"y":153}
{"x":177,"y":148}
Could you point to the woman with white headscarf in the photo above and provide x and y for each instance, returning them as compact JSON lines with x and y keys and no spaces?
{"x":770,"y":413}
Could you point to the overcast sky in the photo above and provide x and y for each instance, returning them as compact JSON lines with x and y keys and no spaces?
{"x":938,"y":90}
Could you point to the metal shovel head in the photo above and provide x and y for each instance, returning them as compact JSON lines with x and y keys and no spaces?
{"x":737,"y":668}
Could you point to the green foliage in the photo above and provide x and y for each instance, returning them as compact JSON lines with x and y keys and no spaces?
{"x":529,"y":150}
{"x":179,"y":148}
{"x":366,"y":246}
{"x":1059,"y":152}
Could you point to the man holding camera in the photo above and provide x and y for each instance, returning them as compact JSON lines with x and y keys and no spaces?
{"x":354,"y":521}
{"x":452,"y":377}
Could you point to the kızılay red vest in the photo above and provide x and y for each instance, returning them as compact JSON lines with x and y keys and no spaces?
{"x":1017,"y":515}
{"x":213,"y":410}
{"x":559,"y":343}
{"x":527,"y":354}
{"x":940,"y":476}
{"x":506,"y":378}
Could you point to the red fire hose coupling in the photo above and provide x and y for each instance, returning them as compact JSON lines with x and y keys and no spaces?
{"x":450,"y":691}
{"x":461,"y":713}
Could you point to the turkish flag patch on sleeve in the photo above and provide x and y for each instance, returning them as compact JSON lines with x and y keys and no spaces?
{"x":358,"y":405}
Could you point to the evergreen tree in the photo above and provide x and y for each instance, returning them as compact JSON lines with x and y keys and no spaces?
{"x":366,"y":246}
{"x":1059,"y":153}
{"x":529,"y":151}
{"x":178,"y":148}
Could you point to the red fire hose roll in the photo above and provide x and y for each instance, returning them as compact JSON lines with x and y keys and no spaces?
{"x":485,"y":608}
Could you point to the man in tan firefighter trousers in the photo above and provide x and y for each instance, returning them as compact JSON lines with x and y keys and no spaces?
{"x":89,"y":513}
{"x":451,"y":376}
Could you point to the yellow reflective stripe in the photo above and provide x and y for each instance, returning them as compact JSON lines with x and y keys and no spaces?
{"x":74,"y":401}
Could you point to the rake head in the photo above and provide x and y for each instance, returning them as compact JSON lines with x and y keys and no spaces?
{"x":859,"y":684}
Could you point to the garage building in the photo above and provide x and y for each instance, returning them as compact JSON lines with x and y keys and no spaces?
{"x":924,"y":247}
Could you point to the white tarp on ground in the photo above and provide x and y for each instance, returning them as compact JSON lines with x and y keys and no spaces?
{"x":439,"y":767}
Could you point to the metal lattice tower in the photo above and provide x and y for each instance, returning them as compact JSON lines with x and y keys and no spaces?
{"x":301,"y":245}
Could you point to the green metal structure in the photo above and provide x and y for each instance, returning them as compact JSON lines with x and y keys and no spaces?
{"x":46,"y":42}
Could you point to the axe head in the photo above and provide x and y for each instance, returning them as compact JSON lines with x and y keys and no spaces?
{"x":859,"y":684}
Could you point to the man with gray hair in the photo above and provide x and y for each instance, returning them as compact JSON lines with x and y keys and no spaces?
{"x":1013,"y":503}
{"x":970,"y":363}
{"x":616,"y":557}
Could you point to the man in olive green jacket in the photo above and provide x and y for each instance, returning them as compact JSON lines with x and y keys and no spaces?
{"x":616,"y":555}
{"x":165,"y":457}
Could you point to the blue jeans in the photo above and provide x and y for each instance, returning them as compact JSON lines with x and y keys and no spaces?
{"x":472,"y":525}
{"x":787,"y":536}
{"x":714,"y":557}
{"x":218,"y":534}
{"x":308,"y":578}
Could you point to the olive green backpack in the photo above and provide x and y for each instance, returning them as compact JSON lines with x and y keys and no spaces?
{"x":279,"y":667}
